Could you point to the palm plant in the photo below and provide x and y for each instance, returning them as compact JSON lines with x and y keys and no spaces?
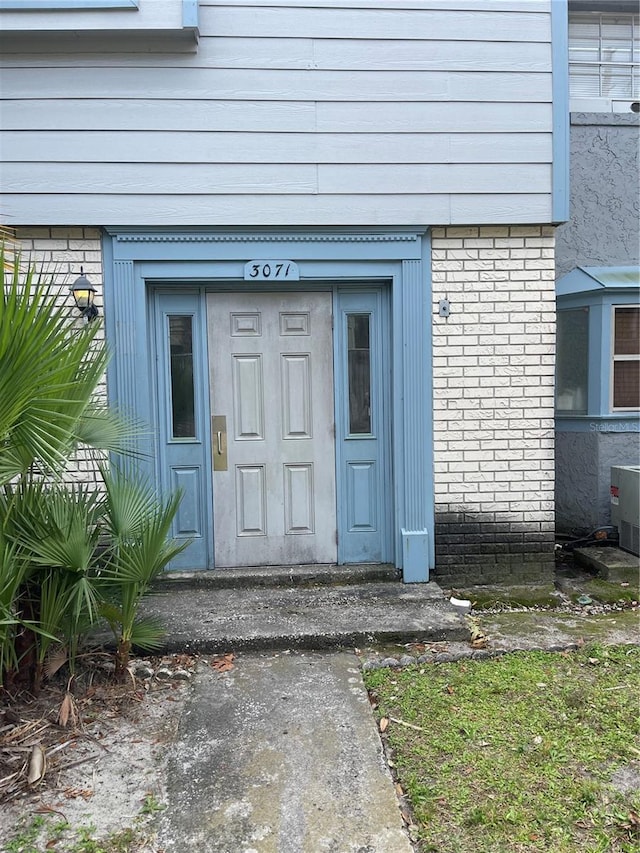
{"x":50,"y":546}
{"x":138,"y":527}
{"x":49,"y":371}
{"x":57,"y":531}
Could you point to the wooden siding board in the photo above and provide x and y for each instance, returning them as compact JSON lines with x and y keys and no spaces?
{"x":160,"y":178}
{"x":326,"y":117}
{"x":201,"y":84}
{"x":324,"y":54}
{"x":435,"y":117}
{"x":67,"y":146}
{"x":415,"y":179}
{"x":203,"y":210}
{"x":470,"y":5}
{"x":215,"y":179}
{"x":117,"y":114}
{"x":375,"y":22}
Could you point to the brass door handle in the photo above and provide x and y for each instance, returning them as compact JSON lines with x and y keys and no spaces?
{"x":219,"y":430}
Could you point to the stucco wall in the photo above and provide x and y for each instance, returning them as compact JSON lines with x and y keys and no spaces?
{"x":583,"y":474}
{"x":604,"y":209}
{"x":603,"y":231}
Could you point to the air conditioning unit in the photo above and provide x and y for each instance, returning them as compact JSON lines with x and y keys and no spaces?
{"x":625,"y":505}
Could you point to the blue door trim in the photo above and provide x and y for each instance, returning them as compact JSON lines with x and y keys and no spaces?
{"x":137,"y":259}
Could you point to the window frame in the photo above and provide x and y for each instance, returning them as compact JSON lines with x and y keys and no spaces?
{"x":613,"y":357}
{"x":600,"y":66}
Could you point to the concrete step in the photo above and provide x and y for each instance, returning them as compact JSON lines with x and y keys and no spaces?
{"x":280,"y":576}
{"x":212,"y":619}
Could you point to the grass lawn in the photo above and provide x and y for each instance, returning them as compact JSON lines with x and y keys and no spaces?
{"x":527,"y":752}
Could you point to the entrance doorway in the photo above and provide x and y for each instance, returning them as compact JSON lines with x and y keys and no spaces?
{"x":273,"y":419}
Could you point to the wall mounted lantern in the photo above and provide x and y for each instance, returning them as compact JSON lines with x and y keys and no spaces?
{"x":84,"y":293}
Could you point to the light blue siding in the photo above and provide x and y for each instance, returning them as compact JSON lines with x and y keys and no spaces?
{"x":280,"y":101}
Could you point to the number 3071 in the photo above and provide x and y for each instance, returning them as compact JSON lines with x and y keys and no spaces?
{"x":271,"y":270}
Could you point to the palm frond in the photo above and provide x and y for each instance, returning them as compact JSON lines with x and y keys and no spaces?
{"x":49,"y":369}
{"x":147,"y":634}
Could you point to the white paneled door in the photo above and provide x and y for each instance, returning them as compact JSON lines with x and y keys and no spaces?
{"x":272,"y":427}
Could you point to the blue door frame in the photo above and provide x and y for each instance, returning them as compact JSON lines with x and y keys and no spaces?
{"x":136,"y":260}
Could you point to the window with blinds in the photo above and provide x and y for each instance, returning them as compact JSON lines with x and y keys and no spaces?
{"x":626,"y":358}
{"x":604,"y":55}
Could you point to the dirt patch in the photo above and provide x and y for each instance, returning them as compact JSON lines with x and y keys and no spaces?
{"x":104,"y":754}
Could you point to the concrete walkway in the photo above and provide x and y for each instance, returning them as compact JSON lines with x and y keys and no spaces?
{"x":280,"y":755}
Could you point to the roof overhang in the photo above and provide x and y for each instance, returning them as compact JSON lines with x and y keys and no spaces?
{"x":599,"y":280}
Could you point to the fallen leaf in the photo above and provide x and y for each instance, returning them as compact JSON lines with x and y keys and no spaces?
{"x":223,"y":663}
{"x":384,"y":722}
{"x":399,"y":790}
{"x":37,"y":765}
{"x":450,"y":690}
{"x":74,"y":793}
{"x":67,"y":711}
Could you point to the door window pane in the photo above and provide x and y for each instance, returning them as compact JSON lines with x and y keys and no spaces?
{"x":359,"y":369}
{"x":181,"y":370}
{"x":572,"y":361}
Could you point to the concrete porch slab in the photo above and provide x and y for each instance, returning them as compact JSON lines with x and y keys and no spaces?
{"x":301,"y":575}
{"x":612,"y":564}
{"x":208,"y":619}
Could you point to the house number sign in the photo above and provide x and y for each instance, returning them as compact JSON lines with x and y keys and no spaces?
{"x":271,"y":270}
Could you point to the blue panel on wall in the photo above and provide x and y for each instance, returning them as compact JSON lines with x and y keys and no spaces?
{"x":188,"y":520}
{"x":415,"y":561}
{"x":361,"y":491}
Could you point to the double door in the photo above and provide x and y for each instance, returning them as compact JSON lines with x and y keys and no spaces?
{"x":273,"y":421}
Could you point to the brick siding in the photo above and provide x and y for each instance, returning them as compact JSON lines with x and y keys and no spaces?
{"x":493,"y":403}
{"x":58,"y":253}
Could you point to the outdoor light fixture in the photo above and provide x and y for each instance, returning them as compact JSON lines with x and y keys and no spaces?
{"x":84,"y":294}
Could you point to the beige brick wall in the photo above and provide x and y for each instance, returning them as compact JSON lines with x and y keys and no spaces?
{"x":493,"y":401}
{"x":58,"y":253}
